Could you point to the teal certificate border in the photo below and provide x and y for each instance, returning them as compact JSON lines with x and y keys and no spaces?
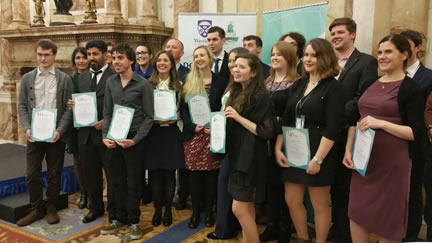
{"x":372,"y":133}
{"x":212,"y":115}
{"x":173,"y":117}
{"x":306,"y":133}
{"x":117,"y":107}
{"x":93,"y":95}
{"x":36,"y":110}
{"x":205,"y":96}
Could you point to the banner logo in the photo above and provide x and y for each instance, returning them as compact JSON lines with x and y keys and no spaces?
{"x":203,"y":26}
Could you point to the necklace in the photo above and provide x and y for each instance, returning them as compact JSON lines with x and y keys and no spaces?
{"x":313,"y":83}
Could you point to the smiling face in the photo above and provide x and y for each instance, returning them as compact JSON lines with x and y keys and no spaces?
{"x":231,"y":61}
{"x":310,"y":61}
{"x":278,"y":62}
{"x":81,"y":62}
{"x":390,"y":59}
{"x":45,"y":58}
{"x":163,"y":64}
{"x":242,"y":72}
{"x":121,"y":63}
{"x":143,"y":56}
{"x":341,"y":39}
{"x":175,"y":48}
{"x":201,"y":59}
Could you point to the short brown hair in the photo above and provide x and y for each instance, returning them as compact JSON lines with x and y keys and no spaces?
{"x":349,"y":23}
{"x":47,"y":44}
{"x":327,"y":62}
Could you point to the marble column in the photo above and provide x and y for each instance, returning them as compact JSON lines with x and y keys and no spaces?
{"x":146,"y":12}
{"x":428,"y":45}
{"x":183,"y":6}
{"x":113,"y":13}
{"x":19,"y":15}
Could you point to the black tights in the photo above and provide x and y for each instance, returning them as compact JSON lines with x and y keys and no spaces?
{"x":162,"y":183}
{"x":203,"y":189}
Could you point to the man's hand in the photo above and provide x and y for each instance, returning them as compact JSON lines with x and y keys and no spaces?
{"x":28,"y":136}
{"x":56,"y":137}
{"x":70,"y":104}
{"x":110,"y":144}
{"x":127,"y":143}
{"x":98,"y":125}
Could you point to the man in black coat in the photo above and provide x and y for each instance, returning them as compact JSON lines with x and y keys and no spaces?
{"x":176,"y":48}
{"x":91,"y":149}
{"x":254,"y":45}
{"x":359,"y":71}
{"x":216,"y":41}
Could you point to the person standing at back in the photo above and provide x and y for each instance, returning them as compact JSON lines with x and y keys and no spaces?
{"x":216,"y":41}
{"x":254,"y":45}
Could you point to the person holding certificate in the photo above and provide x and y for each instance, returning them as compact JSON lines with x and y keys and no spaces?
{"x":128,"y":105}
{"x":251,"y":121}
{"x":393,"y":106}
{"x":164,"y":134}
{"x":203,"y":168}
{"x":283,"y":74}
{"x":315,"y":104}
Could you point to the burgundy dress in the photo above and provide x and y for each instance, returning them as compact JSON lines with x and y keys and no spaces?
{"x":379,"y":200}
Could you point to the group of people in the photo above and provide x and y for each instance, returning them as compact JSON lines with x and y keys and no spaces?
{"x":326,"y":87}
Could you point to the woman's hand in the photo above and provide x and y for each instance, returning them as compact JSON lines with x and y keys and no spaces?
{"x":127,"y":143}
{"x":207,"y":130}
{"x":347,"y":160}
{"x":370,"y":122}
{"x":313,"y":168}
{"x":231,"y":113}
{"x":280,"y":159}
{"x":110,"y":144}
{"x":198,"y":128}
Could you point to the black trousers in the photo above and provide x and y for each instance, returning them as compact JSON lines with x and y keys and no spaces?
{"x":162,"y":184}
{"x":428,"y":190}
{"x":183,"y":187}
{"x":94,"y":161}
{"x":54,"y":156}
{"x":203,"y":189}
{"x":124,"y":171}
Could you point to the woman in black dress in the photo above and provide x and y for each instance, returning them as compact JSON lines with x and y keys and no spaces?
{"x":164,"y":136}
{"x":251,"y":121}
{"x":318,"y":100}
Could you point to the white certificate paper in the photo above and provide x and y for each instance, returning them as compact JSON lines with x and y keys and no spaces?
{"x":165,"y":105}
{"x":296,"y":146}
{"x":199,"y":108}
{"x":217,"y":132}
{"x":363,"y":142}
{"x":43,"y":124}
{"x":120,"y":123}
{"x":84,"y":110}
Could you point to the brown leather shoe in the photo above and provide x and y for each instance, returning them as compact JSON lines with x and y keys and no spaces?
{"x":52,"y":217}
{"x":31,"y":216}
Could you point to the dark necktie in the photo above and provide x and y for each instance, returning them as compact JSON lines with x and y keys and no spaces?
{"x":216,"y":69}
{"x":94,"y":80}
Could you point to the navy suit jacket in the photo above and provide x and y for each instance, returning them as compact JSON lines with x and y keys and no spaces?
{"x":266,"y":70}
{"x":423,"y":78}
{"x":217,"y":88}
{"x":224,"y":71}
{"x":183,"y":72}
{"x":83,"y":85}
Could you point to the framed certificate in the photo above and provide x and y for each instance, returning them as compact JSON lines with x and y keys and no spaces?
{"x":43,"y":125}
{"x":199,"y":108}
{"x":217,"y":132}
{"x":296,"y":146}
{"x":85,"y":109}
{"x":120,"y":122}
{"x":165,"y":105}
{"x":363,"y":142}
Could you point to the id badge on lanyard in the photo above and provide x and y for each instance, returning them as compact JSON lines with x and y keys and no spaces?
{"x":300,"y":122}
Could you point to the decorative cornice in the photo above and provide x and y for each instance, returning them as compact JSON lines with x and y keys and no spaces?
{"x":7,"y":97}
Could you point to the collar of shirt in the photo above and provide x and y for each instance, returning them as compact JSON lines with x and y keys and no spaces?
{"x":221,"y":55}
{"x":411,"y":70}
{"x":102,"y":69}
{"x":51,"y":71}
{"x":164,"y":84}
{"x":343,"y":60}
{"x":177,"y":66}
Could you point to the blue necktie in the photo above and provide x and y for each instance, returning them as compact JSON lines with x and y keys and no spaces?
{"x":216,"y":69}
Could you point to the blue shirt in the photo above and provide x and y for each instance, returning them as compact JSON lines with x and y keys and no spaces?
{"x":148,"y":72}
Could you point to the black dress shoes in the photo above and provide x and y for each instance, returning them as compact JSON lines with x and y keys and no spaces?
{"x":270,"y":233}
{"x":157,"y":217}
{"x":194,"y":221}
{"x":91,"y":216}
{"x":83,"y":202}
{"x":209,"y":220}
{"x":167,"y":217}
{"x":213,"y":236}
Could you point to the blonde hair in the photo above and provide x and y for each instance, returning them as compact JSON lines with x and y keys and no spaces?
{"x":288,"y":52}
{"x":194,"y":83}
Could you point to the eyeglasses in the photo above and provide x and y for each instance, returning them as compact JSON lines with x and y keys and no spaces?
{"x":141,"y":53}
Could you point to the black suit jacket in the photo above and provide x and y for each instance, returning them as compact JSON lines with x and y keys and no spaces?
{"x":359,"y":73}
{"x":183,"y":72}
{"x":217,"y":88}
{"x":84,"y":85}
{"x":423,"y":78}
{"x":224,"y":71}
{"x":266,"y":70}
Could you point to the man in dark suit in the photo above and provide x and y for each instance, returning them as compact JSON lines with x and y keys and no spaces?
{"x":423,"y":77}
{"x":176,"y":48}
{"x":359,"y":70}
{"x":254,"y":45}
{"x":216,"y":41}
{"x":91,"y":149}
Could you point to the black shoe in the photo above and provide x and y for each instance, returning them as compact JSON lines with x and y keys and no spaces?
{"x":209,"y":220}
{"x":157,"y":217}
{"x":83,"y":202}
{"x":91,"y":216}
{"x":181,"y":204}
{"x":429,"y":233}
{"x":213,"y":236}
{"x":271,"y":232}
{"x":167,"y":217}
{"x":284,"y":235}
{"x":194,"y":221}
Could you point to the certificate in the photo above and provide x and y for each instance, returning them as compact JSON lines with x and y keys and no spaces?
{"x":224,"y":100}
{"x":199,"y":108}
{"x":84,"y":109}
{"x":296,"y":146}
{"x":363,"y":142}
{"x":165,"y":105}
{"x":217,"y":132}
{"x":43,"y":124}
{"x":120,"y":123}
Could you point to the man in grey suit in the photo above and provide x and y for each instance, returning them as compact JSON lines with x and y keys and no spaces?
{"x":45,"y":87}
{"x":92,"y":150}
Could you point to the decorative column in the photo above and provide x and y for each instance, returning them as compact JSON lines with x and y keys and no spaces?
{"x":113,"y":12}
{"x":19,"y":15}
{"x":147,"y":12}
{"x":183,"y":6}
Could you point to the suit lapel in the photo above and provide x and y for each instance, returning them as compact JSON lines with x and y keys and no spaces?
{"x":103,"y":79}
{"x":352,"y":60}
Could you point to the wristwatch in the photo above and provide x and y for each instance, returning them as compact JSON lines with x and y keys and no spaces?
{"x":318,"y":161}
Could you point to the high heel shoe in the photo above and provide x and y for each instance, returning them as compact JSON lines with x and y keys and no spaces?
{"x":157,"y":217}
{"x":167,"y":217}
{"x":83,"y":202}
{"x":194,"y":221}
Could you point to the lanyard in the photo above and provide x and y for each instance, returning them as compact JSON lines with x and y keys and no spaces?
{"x":302,"y":101}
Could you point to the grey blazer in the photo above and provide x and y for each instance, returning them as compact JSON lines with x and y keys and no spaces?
{"x":27,"y":101}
